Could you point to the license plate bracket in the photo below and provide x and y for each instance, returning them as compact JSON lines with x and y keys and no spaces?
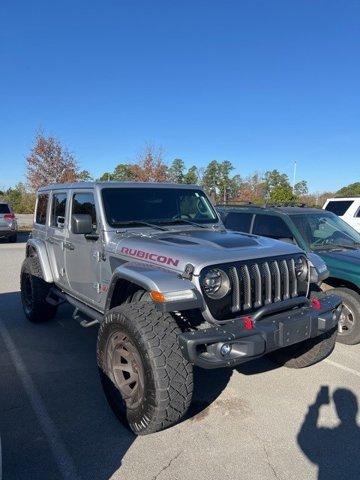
{"x":294,"y":331}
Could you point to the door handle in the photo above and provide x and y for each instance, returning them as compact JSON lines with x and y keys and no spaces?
{"x":51,"y":240}
{"x":69,"y":246}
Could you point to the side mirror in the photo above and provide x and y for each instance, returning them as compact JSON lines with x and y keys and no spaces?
{"x":60,"y":222}
{"x":81,"y":223}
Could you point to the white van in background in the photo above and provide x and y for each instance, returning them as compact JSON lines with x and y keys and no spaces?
{"x":346,"y":208}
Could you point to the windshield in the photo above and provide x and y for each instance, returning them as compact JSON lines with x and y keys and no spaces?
{"x":325,"y":230}
{"x":128,"y":205}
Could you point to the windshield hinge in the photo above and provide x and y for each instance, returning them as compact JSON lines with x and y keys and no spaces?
{"x":188,"y":272}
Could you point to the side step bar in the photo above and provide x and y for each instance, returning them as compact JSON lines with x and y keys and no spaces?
{"x":56,"y":297}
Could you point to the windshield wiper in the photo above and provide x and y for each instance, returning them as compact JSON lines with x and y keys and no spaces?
{"x":353,"y":246}
{"x":134,"y":223}
{"x":182,"y":220}
{"x":335,"y":246}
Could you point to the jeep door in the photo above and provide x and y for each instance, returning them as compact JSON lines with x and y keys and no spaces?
{"x":83,"y":256}
{"x":56,"y":235}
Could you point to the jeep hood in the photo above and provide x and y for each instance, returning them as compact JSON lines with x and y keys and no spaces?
{"x":199,"y":247}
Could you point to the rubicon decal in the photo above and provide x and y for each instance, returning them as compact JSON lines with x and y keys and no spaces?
{"x":154,"y":257}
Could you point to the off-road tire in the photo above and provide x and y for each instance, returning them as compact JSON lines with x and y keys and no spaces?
{"x":167,"y":375}
{"x":350,"y":299}
{"x":13,"y":238}
{"x":34,"y":291}
{"x":306,"y":353}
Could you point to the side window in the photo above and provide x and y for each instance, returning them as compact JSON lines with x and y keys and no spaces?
{"x":42,"y":203}
{"x":58,"y":210}
{"x":271,"y":226}
{"x":84,"y":203}
{"x":238,"y":221}
{"x":358,"y":214}
{"x":339,"y":207}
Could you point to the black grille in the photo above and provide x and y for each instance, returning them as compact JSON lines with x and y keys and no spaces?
{"x":256,"y":283}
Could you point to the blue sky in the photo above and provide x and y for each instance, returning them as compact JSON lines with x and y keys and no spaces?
{"x":259,"y":83}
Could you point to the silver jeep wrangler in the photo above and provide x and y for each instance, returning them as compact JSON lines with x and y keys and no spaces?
{"x":170,"y":288}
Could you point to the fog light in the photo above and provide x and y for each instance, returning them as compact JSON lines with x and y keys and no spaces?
{"x":225,"y":349}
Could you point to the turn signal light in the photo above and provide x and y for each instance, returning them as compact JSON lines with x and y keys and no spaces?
{"x":177,"y":296}
{"x":157,"y":296}
{"x":315,"y":303}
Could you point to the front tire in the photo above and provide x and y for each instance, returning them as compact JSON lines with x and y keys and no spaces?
{"x":305,"y":353}
{"x":146,"y":379}
{"x":34,"y":291}
{"x":349,"y":324}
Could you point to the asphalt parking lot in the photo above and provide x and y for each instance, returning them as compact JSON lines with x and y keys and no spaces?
{"x":250,"y":423}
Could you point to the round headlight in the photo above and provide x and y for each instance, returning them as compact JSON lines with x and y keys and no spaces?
{"x":215,"y":283}
{"x":301,"y":268}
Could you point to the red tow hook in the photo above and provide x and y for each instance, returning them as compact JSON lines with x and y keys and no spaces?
{"x":248,"y":323}
{"x":315,"y":303}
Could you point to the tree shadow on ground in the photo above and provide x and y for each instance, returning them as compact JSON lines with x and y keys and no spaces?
{"x":334,"y":450}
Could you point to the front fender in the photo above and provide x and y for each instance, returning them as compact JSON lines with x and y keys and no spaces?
{"x":40,"y":249}
{"x":156,"y":279}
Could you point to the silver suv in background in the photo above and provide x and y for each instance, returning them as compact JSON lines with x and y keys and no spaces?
{"x":8,"y":223}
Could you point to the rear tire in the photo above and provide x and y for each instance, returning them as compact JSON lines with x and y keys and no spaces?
{"x":146,"y":379}
{"x":350,"y":316}
{"x":305,"y":353}
{"x":34,"y":291}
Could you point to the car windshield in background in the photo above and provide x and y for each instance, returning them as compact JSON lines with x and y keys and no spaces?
{"x":322,"y":231}
{"x":4,"y":208}
{"x":339,"y":207}
{"x":157,"y":206}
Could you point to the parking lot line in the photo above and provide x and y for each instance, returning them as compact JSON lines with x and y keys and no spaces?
{"x":61,"y":456}
{"x":342,"y":367}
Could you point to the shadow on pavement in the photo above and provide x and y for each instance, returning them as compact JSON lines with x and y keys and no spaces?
{"x":22,"y":237}
{"x":60,"y":358}
{"x":334,"y":450}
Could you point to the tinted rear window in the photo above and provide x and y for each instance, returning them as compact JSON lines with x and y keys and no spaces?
{"x":41,"y":209}
{"x":4,"y":208}
{"x":271,"y":226}
{"x":338,"y":207}
{"x":238,"y":221}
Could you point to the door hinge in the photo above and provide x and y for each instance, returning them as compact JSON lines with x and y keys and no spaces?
{"x":98,"y":256}
{"x":101,"y":287}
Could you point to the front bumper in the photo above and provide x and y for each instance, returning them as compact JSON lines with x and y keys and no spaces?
{"x":273,"y":327}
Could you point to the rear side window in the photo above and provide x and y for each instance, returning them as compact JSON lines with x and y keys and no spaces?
{"x":58,"y":209}
{"x":4,"y":208}
{"x":238,"y":221}
{"x":339,"y":207}
{"x":271,"y":226}
{"x":84,"y":203}
{"x":41,"y":209}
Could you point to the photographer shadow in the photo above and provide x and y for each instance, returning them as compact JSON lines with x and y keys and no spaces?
{"x":334,"y":450}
